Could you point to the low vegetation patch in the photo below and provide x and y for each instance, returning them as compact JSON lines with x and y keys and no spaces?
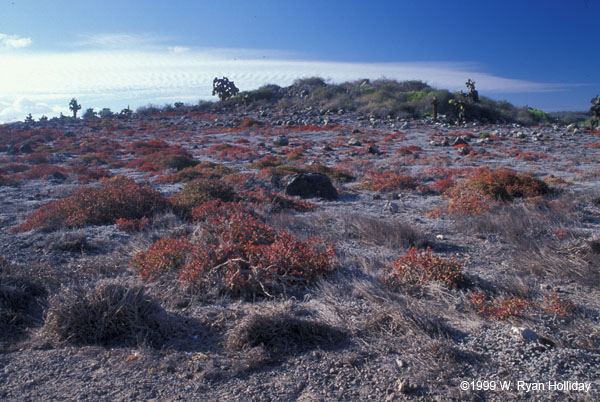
{"x":107,"y":314}
{"x":503,"y":308}
{"x":201,"y":190}
{"x":281,"y":333}
{"x":417,"y":268}
{"x":235,"y":252}
{"x":119,"y":197}
{"x":484,"y":189}
{"x":19,"y":298}
{"x":388,"y":181}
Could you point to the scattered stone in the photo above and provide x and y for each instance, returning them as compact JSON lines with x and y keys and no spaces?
{"x":281,"y":141}
{"x":404,"y":386}
{"x":459,"y":141}
{"x":525,"y":334}
{"x":26,"y":148}
{"x":374,"y":150}
{"x":464,"y":151}
{"x":311,"y":185}
{"x":57,"y":176}
{"x":354,"y":142}
{"x":391,"y":207}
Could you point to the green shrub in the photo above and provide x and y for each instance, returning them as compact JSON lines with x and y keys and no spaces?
{"x":199,"y":191}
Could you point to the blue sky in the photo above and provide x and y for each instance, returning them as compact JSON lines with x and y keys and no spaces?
{"x":541,"y":53}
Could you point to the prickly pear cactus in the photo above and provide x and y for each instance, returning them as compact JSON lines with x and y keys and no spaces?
{"x":224,"y":88}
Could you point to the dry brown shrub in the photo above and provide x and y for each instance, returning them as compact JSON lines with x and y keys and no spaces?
{"x":107,"y":314}
{"x":281,"y":333}
{"x":20,"y":303}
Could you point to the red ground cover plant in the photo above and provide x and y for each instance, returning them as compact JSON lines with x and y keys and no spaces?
{"x":163,"y":256}
{"x":277,"y":201}
{"x":237,"y":253}
{"x":422,"y":267}
{"x":409,"y":150}
{"x":6,"y":181}
{"x":484,"y":189}
{"x":90,"y":174}
{"x":230,"y":152}
{"x":36,"y":158}
{"x":42,"y":171}
{"x":529,"y":156}
{"x":501,"y":309}
{"x":441,"y":185}
{"x":199,"y":191}
{"x":249,"y":122}
{"x":388,"y":181}
{"x":15,"y":168}
{"x":202,"y":170}
{"x":132,"y":225}
{"x":557,"y":305}
{"x":119,"y":197}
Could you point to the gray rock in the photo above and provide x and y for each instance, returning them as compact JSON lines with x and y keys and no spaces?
{"x":525,"y":334}
{"x":311,"y":185}
{"x":57,"y":176}
{"x":354,"y":142}
{"x":374,"y":150}
{"x":463,"y":151}
{"x":26,"y":148}
{"x":280,"y":141}
{"x":391,"y":207}
{"x":459,"y":141}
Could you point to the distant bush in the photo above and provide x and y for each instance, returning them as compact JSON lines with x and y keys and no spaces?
{"x":382,"y":98}
{"x":118,"y":197}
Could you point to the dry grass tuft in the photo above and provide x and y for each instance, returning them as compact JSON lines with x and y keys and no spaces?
{"x":366,"y":228}
{"x":108,"y":314}
{"x":281,"y":333}
{"x":372,"y":230}
{"x":20,"y":304}
{"x":550,"y":260}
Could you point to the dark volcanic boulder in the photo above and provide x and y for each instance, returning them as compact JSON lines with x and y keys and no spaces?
{"x":311,"y":185}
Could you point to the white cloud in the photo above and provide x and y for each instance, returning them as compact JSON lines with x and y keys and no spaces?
{"x":116,"y":77}
{"x":21,"y":107}
{"x":115,"y":41}
{"x":178,"y":49}
{"x":13,"y":41}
